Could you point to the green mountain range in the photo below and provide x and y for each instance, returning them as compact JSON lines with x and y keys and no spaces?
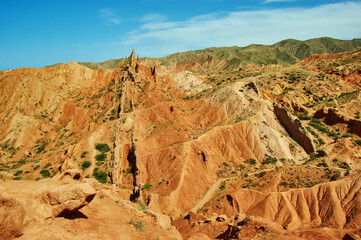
{"x":284,"y":52}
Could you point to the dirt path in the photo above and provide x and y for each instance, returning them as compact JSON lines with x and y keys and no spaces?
{"x":209,"y":194}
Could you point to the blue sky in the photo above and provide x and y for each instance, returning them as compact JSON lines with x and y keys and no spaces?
{"x":36,"y":33}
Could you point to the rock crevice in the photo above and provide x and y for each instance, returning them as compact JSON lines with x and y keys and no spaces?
{"x":294,"y":128}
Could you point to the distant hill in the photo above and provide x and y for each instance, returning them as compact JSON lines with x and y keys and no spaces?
{"x":112,"y":63}
{"x":285,"y":52}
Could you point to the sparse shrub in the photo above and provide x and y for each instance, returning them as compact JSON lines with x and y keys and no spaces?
{"x":148,"y":186}
{"x":102,"y":147}
{"x":225,"y":164}
{"x":284,"y":183}
{"x":323,"y":163}
{"x":83,"y":154}
{"x":222,"y":186}
{"x":100,"y":175}
{"x":251,"y":161}
{"x":45,"y":173}
{"x":346,"y":135}
{"x":304,"y":117}
{"x":317,"y":124}
{"x":19,"y":172}
{"x":47,"y":165}
{"x":142,"y":206}
{"x":344,"y":165}
{"x":261,"y":174}
{"x":85,"y":165}
{"x":101,"y":157}
{"x":336,"y":176}
{"x":320,"y":141}
{"x":36,"y":167}
{"x":269,"y":160}
{"x":241,"y":167}
{"x":312,"y":158}
{"x":21,"y":162}
{"x":41,"y":147}
{"x":138,"y":224}
{"x":221,"y":173}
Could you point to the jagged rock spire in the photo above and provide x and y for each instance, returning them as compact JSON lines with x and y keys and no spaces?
{"x":133,"y":61}
{"x":132,"y":56}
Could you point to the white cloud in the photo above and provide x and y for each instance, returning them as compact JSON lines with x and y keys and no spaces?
{"x":271,"y":1}
{"x":109,"y":17}
{"x":153,"y":17}
{"x":242,"y":28}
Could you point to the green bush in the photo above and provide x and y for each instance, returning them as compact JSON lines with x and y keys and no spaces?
{"x":36,"y":167}
{"x":45,"y":173}
{"x":83,"y":154}
{"x":102,"y":147}
{"x":261,"y":174}
{"x":100,"y":175}
{"x":222,"y":186}
{"x":284,"y":183}
{"x":269,"y":160}
{"x":138,"y":224}
{"x":304,"y":117}
{"x":18,"y":173}
{"x":323,"y":164}
{"x":225,"y":164}
{"x":85,"y":165}
{"x":251,"y":161}
{"x":101,"y":157}
{"x":47,"y":165}
{"x":344,"y":165}
{"x":241,"y":167}
{"x":336,"y":176}
{"x":317,"y":124}
{"x":358,"y":142}
{"x":148,"y":186}
{"x":21,"y":161}
{"x":41,"y":148}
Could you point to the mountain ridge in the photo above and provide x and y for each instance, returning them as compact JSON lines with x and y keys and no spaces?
{"x":285,"y":52}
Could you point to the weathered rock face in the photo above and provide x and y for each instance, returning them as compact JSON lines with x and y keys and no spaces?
{"x":294,"y":128}
{"x":12,"y":217}
{"x":23,"y":203}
